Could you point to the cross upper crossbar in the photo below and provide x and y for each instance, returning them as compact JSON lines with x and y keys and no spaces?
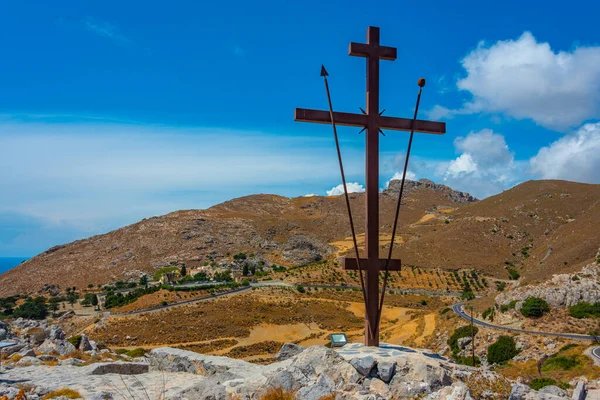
{"x":361,"y":120}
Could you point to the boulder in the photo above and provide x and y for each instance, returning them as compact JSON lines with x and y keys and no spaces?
{"x":288,"y":350}
{"x":46,"y":357}
{"x":311,"y":364}
{"x":464,"y":342}
{"x":363,"y":365}
{"x":26,"y":352}
{"x":9,"y":350}
{"x":519,"y":392}
{"x":27,"y":361}
{"x":62,"y":347}
{"x":56,"y":333}
{"x":84,"y":344}
{"x":121,"y":368}
{"x":3,"y":333}
{"x":554,"y":391}
{"x":324,"y":386}
{"x":75,"y":362}
{"x":386,"y":370}
{"x":206,"y":390}
{"x":457,"y":391}
{"x":377,"y":386}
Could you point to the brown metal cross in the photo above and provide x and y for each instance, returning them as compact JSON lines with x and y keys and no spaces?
{"x":373,"y":123}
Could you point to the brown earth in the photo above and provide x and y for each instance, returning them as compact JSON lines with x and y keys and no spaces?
{"x":483,"y":235}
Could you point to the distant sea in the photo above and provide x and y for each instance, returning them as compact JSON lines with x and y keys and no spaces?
{"x":7,"y":263}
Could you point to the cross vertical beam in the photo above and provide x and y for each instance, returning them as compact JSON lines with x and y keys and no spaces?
{"x":372,"y":187}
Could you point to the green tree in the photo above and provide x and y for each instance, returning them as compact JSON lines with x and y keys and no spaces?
{"x":245,"y":270}
{"x":32,"y":309}
{"x":503,"y":350}
{"x":144,"y":281}
{"x":183,"y":271}
{"x":72,"y":298}
{"x":534,"y":307}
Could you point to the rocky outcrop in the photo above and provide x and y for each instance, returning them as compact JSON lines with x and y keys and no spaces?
{"x":562,"y":290}
{"x":288,"y":350}
{"x":351,"y":372}
{"x":303,"y":249}
{"x":453,"y":195}
{"x":524,"y":392}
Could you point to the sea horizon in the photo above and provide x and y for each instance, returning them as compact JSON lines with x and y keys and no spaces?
{"x":7,"y":263}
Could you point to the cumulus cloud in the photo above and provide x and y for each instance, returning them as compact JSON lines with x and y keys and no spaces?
{"x":411,"y":176}
{"x":485,"y":165}
{"x":527,"y":79}
{"x":310,"y":195}
{"x":574,"y":157}
{"x":352,"y":187}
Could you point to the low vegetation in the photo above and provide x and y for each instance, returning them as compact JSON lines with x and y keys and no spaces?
{"x":513,"y":274}
{"x":459,"y":333}
{"x":503,"y":350}
{"x":585,"y":310}
{"x":534,"y":307}
{"x":538,"y":383}
{"x":63,"y":393}
{"x":32,"y":309}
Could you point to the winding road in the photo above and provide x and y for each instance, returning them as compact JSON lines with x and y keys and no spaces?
{"x":458,"y":310}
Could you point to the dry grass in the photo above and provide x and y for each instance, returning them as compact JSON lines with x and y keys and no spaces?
{"x":223,"y":318}
{"x":206,"y":348}
{"x":528,"y":369}
{"x":65,"y":392}
{"x":156,"y":299}
{"x":277,"y":394}
{"x":261,"y":348}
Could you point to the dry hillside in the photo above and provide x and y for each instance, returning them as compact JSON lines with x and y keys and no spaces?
{"x":291,"y":231}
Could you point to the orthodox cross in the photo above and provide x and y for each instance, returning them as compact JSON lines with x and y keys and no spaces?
{"x":373,"y":122}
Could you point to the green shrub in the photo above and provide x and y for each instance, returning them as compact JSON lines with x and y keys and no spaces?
{"x":139,"y":352}
{"x":489,"y":313}
{"x":503,"y":350}
{"x":32,"y":309}
{"x":534,"y":307}
{"x":585,"y":310}
{"x":459,"y":333}
{"x":300,"y":288}
{"x":159,"y":273}
{"x":444,"y":311}
{"x":564,"y":363}
{"x":568,"y":347}
{"x":500,"y":286}
{"x":509,"y":306}
{"x":513,"y":274}
{"x":538,"y":383}
{"x":468,"y":360}
{"x":75,"y":340}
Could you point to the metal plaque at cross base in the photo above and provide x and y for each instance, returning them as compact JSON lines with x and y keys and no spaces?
{"x":372,"y":122}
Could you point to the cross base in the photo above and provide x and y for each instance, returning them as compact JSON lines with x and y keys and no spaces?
{"x":350,"y":264}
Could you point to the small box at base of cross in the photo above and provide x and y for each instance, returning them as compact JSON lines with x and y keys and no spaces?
{"x":338,"y":339}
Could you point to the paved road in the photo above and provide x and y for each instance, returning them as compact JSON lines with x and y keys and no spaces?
{"x":458,"y":310}
{"x":596,"y":352}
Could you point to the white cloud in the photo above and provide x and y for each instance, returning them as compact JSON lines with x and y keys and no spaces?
{"x":310,"y":195}
{"x":464,"y":164}
{"x":527,"y":79}
{"x":352,"y":187}
{"x":411,"y":176}
{"x":484,"y":167}
{"x":574,"y":157}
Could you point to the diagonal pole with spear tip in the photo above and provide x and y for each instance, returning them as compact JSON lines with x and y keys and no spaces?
{"x":421,"y":84}
{"x":325,"y":74}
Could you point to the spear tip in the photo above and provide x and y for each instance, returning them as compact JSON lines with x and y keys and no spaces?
{"x":324,"y":71}
{"x":421,"y":82}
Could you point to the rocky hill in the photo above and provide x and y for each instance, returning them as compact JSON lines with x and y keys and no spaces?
{"x":439,"y":227}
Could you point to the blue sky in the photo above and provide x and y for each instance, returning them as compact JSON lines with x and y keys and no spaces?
{"x":115,"y":111}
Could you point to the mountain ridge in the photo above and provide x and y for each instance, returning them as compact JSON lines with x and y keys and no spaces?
{"x":438,"y":227}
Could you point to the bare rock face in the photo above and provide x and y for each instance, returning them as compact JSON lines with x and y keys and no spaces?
{"x":302,"y":249}
{"x":453,"y":195}
{"x":288,"y":350}
{"x":562,"y":290}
